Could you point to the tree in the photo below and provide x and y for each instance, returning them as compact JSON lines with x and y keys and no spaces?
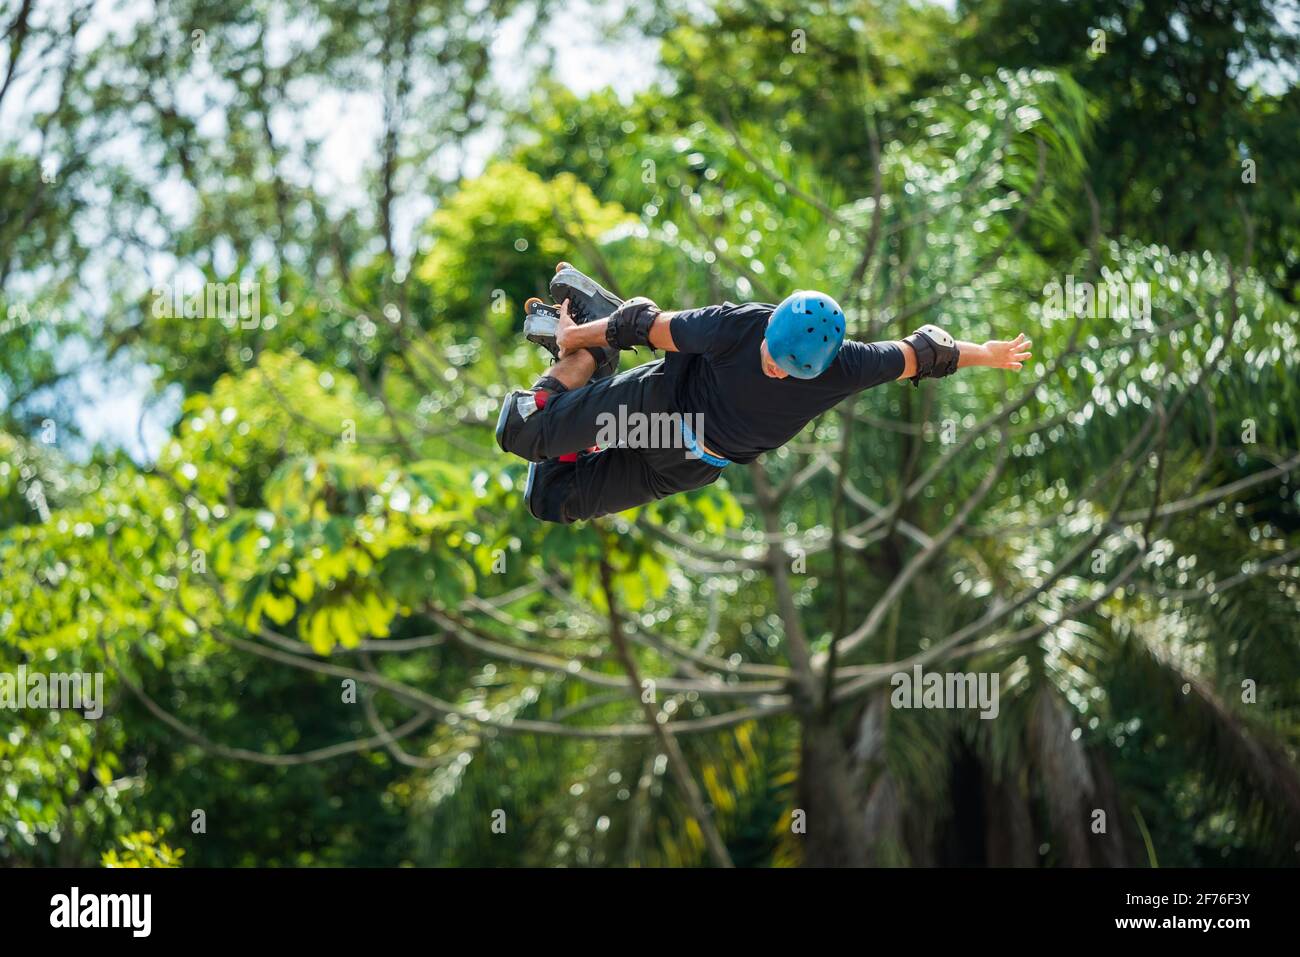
{"x":1196,"y":101}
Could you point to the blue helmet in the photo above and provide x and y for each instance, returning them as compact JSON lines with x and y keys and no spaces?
{"x":805,"y":332}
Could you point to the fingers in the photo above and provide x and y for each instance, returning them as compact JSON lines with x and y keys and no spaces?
{"x":1015,"y":353}
{"x":561,"y":332}
{"x":1018,"y":352}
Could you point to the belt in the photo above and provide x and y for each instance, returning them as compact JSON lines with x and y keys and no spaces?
{"x":695,"y":448}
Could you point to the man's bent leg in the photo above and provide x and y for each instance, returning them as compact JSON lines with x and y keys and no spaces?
{"x":573,"y":371}
{"x":602,"y":483}
{"x":542,"y":424}
{"x":568,"y":492}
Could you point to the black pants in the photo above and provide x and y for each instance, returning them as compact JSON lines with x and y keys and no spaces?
{"x":613,"y":479}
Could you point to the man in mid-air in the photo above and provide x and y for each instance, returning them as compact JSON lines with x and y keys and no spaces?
{"x":737,"y":381}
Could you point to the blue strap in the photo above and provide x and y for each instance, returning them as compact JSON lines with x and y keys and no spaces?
{"x":693,"y":446}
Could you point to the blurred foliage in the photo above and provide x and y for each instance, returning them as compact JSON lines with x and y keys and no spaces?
{"x":143,"y":849}
{"x":1189,"y":95}
{"x":495,"y":242}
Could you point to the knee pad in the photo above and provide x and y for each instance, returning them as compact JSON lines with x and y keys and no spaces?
{"x":519,"y":431}
{"x":547,"y":490}
{"x":550,"y":384}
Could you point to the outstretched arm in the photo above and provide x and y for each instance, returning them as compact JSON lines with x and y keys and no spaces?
{"x":993,"y":354}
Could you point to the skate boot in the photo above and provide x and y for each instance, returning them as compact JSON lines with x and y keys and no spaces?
{"x":589,"y":301}
{"x":540,"y":322}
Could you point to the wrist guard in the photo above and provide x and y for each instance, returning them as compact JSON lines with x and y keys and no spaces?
{"x":936,"y":353}
{"x":629,"y":325}
{"x":550,"y":384}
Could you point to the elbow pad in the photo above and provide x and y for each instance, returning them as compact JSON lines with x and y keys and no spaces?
{"x":936,"y":353}
{"x":629,"y":325}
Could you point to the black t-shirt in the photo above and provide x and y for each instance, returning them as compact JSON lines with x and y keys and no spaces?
{"x":718,"y":371}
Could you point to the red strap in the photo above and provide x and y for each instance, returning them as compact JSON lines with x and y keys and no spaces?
{"x":573,"y":456}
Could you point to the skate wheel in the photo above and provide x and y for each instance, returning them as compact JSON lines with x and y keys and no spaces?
{"x":563,"y":265}
{"x":533,"y":300}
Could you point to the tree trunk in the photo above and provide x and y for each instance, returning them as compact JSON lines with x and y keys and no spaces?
{"x":1112,"y":848}
{"x":1008,"y":823}
{"x":829,"y":798}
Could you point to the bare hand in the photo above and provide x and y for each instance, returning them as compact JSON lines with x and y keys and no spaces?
{"x":1007,"y":355}
{"x":564,"y":330}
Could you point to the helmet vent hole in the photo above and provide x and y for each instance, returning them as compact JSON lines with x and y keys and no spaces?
{"x":810,"y":328}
